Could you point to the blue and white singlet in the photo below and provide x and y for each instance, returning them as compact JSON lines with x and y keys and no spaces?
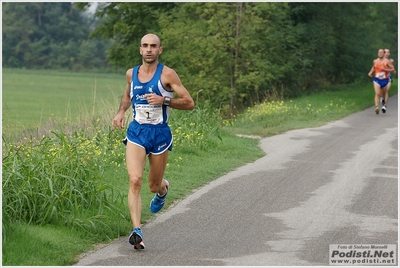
{"x":143,"y":112}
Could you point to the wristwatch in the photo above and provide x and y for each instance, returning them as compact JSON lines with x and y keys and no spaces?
{"x":167,"y":101}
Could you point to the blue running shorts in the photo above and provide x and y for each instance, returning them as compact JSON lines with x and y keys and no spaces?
{"x":382,"y":82}
{"x":155,"y":139}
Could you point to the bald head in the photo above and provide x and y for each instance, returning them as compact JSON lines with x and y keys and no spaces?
{"x":150,"y":48}
{"x":151,"y":39}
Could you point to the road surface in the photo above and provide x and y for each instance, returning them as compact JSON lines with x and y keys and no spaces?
{"x":336,"y":184}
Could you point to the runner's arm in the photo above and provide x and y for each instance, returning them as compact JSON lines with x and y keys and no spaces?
{"x":125,"y":103}
{"x":390,"y":67}
{"x":184,"y":100}
{"x":394,"y":71}
{"x":372,"y":69}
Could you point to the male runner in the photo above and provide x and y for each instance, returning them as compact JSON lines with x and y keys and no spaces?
{"x":381,"y":66}
{"x":150,"y":88}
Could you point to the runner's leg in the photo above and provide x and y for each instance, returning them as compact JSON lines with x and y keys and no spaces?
{"x":158,"y":164}
{"x":378,"y":92}
{"x":135,"y":162}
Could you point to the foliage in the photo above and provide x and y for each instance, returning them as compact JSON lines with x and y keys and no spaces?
{"x":197,"y":129}
{"x":126,"y":23}
{"x":48,"y":35}
{"x":383,"y":19}
{"x":230,"y":52}
{"x":57,"y":179}
{"x":334,"y":33}
{"x":237,"y":54}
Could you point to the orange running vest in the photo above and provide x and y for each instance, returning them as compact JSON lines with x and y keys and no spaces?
{"x":379,"y":72}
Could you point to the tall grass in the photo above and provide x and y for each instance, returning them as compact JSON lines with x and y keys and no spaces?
{"x":60,"y":178}
{"x":199,"y":128}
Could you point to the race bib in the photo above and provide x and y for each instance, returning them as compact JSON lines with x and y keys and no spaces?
{"x":380,"y":75}
{"x":148,"y":114}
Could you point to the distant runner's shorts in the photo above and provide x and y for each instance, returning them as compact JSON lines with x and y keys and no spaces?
{"x":382,"y":82}
{"x":155,"y":139}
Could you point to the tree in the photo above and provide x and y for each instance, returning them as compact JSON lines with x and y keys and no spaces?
{"x":125,"y":24}
{"x":235,"y":54}
{"x":341,"y":39}
{"x":46,"y":35}
{"x":16,"y":36}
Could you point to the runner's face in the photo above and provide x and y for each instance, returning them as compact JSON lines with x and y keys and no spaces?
{"x":150,"y":49}
{"x":387,"y":53}
{"x":381,"y":53}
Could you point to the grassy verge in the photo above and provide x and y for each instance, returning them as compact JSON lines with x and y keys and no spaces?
{"x":311,"y":111}
{"x":34,"y":98}
{"x":58,"y":205}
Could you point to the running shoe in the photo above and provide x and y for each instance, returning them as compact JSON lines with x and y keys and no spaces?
{"x":384,"y":109}
{"x":158,"y":202}
{"x":377,"y":110}
{"x":136,"y":238}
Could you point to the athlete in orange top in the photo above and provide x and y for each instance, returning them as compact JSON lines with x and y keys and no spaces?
{"x":381,"y":66}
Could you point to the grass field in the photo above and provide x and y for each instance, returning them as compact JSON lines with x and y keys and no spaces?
{"x":63,"y":194}
{"x":32,"y":98}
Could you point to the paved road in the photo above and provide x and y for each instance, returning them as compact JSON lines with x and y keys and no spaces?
{"x":336,"y":184}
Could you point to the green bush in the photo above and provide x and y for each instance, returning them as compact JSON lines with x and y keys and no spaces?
{"x":57,"y":179}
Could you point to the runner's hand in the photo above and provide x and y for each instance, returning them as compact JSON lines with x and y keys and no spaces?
{"x":118,"y":121}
